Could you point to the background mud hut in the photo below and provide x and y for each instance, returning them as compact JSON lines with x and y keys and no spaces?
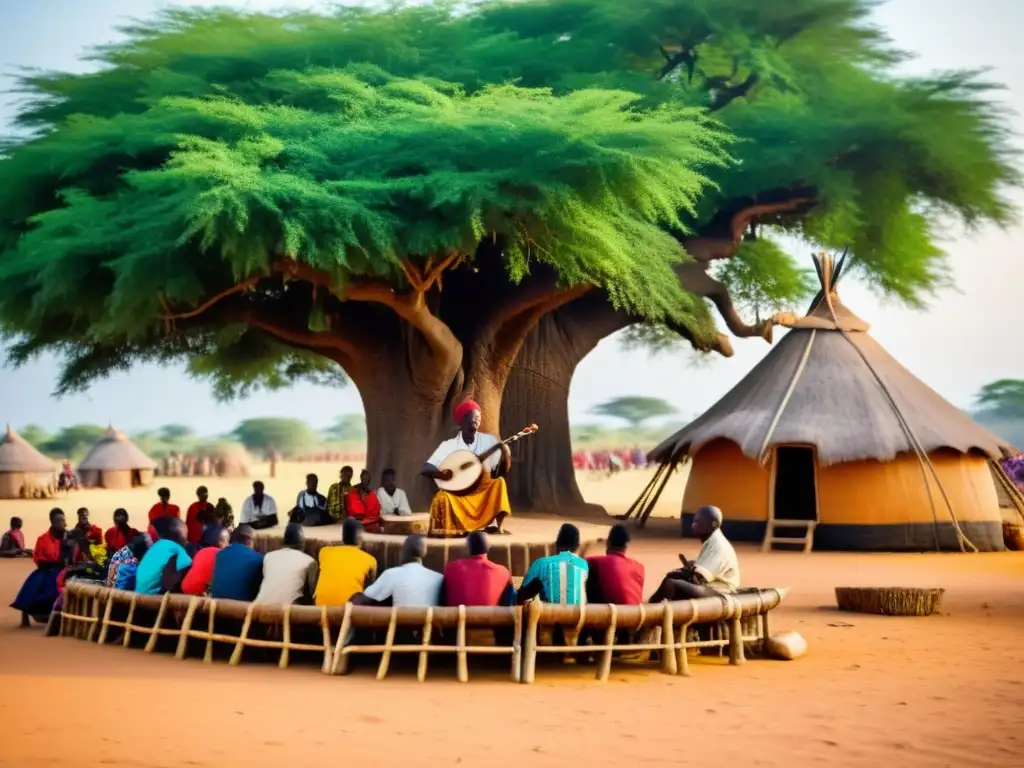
{"x":831,"y":432}
{"x":115,"y":462}
{"x":24,"y":471}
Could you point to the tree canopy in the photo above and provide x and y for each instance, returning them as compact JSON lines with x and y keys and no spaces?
{"x":634,"y":409}
{"x":1002,"y":399}
{"x":289,"y":437}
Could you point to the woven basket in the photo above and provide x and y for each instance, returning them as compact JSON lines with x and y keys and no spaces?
{"x":1013,"y":536}
{"x":889,"y":601}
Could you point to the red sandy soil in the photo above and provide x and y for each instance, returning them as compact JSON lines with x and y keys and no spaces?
{"x":945,"y":690}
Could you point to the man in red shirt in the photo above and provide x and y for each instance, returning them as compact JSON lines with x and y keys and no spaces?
{"x":199,"y":514}
{"x":362,"y":504}
{"x":475,"y":580}
{"x":164,"y":508}
{"x":92,"y":532}
{"x":118,"y":537}
{"x":37,"y":595}
{"x":13,"y":543}
{"x":613,"y":577}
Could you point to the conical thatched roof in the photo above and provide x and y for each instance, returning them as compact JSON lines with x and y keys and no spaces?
{"x":113,"y":452}
{"x":17,"y":455}
{"x":818,"y":387}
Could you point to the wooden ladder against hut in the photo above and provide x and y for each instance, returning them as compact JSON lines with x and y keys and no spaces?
{"x":771,"y":538}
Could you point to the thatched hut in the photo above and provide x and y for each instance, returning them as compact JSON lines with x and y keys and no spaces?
{"x":24,"y":471}
{"x":227,"y":460}
{"x":831,"y":430}
{"x":115,"y":462}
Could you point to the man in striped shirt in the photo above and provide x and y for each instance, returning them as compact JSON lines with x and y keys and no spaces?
{"x":560,"y":578}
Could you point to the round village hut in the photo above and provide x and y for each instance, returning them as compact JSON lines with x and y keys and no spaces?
{"x":228,"y":460}
{"x":24,"y":471}
{"x":115,"y":462}
{"x":830,"y":443}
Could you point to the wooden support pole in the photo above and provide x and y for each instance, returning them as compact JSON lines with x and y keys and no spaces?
{"x":325,"y":627}
{"x":461,"y":659}
{"x":286,"y":637}
{"x":530,"y":652}
{"x":95,"y":615}
{"x":736,"y":640}
{"x":517,"y":645}
{"x":106,"y":618}
{"x":128,"y":622}
{"x":211,"y":617}
{"x":340,"y":666}
{"x":428,"y":631}
{"x":682,"y":654}
{"x":385,"y":658}
{"x":154,"y":635}
{"x":605,"y":667}
{"x":236,"y":655}
{"x":668,"y":639}
{"x":186,"y":628}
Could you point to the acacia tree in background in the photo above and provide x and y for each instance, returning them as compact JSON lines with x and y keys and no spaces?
{"x":254,"y":194}
{"x":635,"y":410}
{"x":290,"y":437}
{"x":1002,"y":399}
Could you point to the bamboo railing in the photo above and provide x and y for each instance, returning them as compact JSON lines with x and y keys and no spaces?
{"x":334,"y":632}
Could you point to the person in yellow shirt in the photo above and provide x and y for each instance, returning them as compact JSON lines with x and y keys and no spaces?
{"x":346,"y":570}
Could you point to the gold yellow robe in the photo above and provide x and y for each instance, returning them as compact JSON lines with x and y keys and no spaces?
{"x":459,"y":514}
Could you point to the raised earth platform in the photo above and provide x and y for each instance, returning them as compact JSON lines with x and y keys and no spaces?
{"x":532,"y":538}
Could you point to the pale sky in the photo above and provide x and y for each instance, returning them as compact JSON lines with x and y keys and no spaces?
{"x":964,"y":340}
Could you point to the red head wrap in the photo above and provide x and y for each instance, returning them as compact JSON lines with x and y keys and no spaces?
{"x":466,"y":406}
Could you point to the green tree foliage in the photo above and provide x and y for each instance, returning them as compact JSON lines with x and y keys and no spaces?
{"x":73,"y":441}
{"x":1002,"y":399}
{"x":348,"y":428}
{"x":289,"y":437}
{"x":634,"y":409}
{"x":35,"y":435}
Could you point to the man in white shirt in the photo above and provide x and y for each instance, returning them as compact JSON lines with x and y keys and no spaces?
{"x":715,"y":571}
{"x":259,"y":510}
{"x":393,"y":500}
{"x":410,"y":584}
{"x":289,"y":574}
{"x":457,"y":514}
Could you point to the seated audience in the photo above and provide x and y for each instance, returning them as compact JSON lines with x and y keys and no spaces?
{"x":124,"y":563}
{"x":392,"y":499}
{"x":13,"y":542}
{"x":336,"y":494}
{"x":223,"y":514}
{"x":197,"y":580}
{"x":163,"y":508}
{"x":312,"y":505}
{"x":120,"y":534}
{"x":238,"y":571}
{"x":92,"y":532}
{"x":613,"y":577}
{"x":198,"y":515}
{"x":346,"y":570}
{"x":39,"y":592}
{"x":408,"y":585}
{"x":167,"y":553}
{"x":289,"y":574}
{"x":259,"y":510}
{"x":475,"y":580}
{"x":361,"y":504}
{"x":716,"y":569}
{"x":559,"y":578}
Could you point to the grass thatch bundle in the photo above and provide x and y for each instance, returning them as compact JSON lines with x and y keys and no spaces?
{"x":889,"y":601}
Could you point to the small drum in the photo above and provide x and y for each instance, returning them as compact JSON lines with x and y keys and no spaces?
{"x":403,"y":525}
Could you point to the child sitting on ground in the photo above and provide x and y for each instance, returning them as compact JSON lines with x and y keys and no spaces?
{"x":13,"y":542}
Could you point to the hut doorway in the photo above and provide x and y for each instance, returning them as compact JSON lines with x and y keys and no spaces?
{"x":795,"y":489}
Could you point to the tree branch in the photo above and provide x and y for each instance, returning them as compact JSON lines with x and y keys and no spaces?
{"x":303,"y":338}
{"x":168,"y":317}
{"x":724,"y":95}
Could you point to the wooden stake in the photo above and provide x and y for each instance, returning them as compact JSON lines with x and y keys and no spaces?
{"x":286,"y":637}
{"x":106,"y":619}
{"x":385,"y":659}
{"x":340,"y":666}
{"x":462,"y":662}
{"x":668,"y":638}
{"x":517,"y":646}
{"x":128,"y":622}
{"x":186,"y":628}
{"x":428,"y":630}
{"x":736,"y":640}
{"x":95,"y":614}
{"x":605,"y":667}
{"x":236,"y":655}
{"x":682,"y":655}
{"x":325,"y":627}
{"x":154,"y":635}
{"x":530,"y":658}
{"x":211,"y":616}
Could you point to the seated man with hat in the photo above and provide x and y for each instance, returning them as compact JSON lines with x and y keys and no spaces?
{"x":484,"y":505}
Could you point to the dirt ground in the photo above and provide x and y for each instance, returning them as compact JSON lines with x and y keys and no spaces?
{"x":946,"y":690}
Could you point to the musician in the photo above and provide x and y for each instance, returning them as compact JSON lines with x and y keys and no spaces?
{"x":487,"y":503}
